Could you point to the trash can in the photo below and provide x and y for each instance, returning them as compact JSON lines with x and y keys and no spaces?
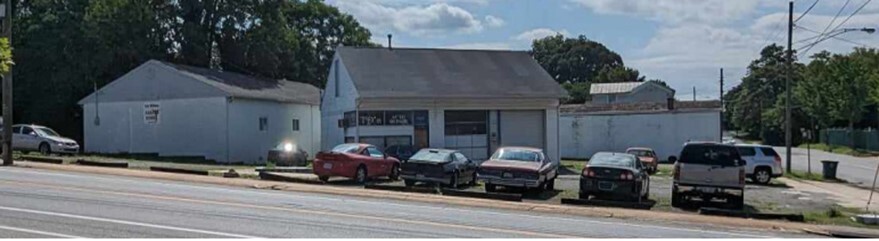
{"x":829,"y":169}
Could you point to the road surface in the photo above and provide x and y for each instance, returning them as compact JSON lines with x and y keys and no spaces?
{"x":856,"y":170}
{"x":51,"y":204}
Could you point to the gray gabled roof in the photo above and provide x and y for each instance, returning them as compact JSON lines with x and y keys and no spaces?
{"x":447,"y":73}
{"x":195,"y":82}
{"x":250,"y":87}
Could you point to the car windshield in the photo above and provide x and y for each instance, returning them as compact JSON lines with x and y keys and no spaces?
{"x":346,"y":148}
{"x":431,"y":155}
{"x":612,"y":159}
{"x":642,"y":153}
{"x":43,"y":131}
{"x":516,"y":155}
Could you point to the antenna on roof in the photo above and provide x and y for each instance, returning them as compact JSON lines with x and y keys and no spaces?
{"x":389,"y":42}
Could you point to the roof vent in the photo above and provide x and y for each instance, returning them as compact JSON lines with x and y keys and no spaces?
{"x":389,"y":42}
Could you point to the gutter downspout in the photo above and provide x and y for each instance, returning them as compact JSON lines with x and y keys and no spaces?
{"x":357,"y":119}
{"x":228,"y":101}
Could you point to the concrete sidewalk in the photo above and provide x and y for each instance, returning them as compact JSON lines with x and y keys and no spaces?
{"x":844,"y":194}
{"x":856,"y":170}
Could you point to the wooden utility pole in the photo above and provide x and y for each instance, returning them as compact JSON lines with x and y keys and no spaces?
{"x":787,"y":102}
{"x":7,"y":90}
{"x":722,"y":106}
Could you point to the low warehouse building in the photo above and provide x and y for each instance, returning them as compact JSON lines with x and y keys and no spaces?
{"x":587,"y":129}
{"x":175,"y":110}
{"x":470,"y":100}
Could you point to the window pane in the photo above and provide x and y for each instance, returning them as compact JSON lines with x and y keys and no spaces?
{"x":747,"y":151}
{"x":295,"y":125}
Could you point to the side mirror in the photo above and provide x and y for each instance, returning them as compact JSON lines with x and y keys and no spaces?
{"x":672,"y":159}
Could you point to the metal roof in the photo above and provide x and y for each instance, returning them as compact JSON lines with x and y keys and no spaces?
{"x":447,"y":73}
{"x":250,"y":87}
{"x":614,"y":88}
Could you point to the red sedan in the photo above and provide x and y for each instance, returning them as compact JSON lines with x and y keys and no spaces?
{"x":355,"y":161}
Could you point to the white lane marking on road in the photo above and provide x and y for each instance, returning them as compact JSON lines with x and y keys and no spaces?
{"x":24,"y":230}
{"x":444,"y":207}
{"x":127,"y":222}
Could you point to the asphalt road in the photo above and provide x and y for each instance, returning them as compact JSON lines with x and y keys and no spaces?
{"x":857,"y":170}
{"x":49,"y":204}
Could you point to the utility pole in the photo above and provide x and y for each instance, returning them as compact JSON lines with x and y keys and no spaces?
{"x":7,"y":90}
{"x":721,"y":104}
{"x":694,"y":93}
{"x":787,"y":102}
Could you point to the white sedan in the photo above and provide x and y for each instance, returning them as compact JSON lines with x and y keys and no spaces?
{"x":43,"y":139}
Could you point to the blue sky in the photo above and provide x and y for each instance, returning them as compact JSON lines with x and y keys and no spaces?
{"x":683,"y":42}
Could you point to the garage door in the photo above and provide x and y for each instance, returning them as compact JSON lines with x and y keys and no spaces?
{"x":467,"y":132}
{"x":523,"y":128}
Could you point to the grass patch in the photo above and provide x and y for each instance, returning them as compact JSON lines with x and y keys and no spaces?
{"x":844,"y":150}
{"x":799,"y":175}
{"x":664,"y":170}
{"x":836,"y":215}
{"x":574,"y":165}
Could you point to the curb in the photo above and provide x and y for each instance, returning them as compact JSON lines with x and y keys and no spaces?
{"x":281,"y":178}
{"x":179,"y":170}
{"x":102,"y":164}
{"x":646,"y":205}
{"x":284,"y":169}
{"x":43,"y":159}
{"x":849,"y":234}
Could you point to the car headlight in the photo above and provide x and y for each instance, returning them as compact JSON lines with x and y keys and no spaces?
{"x":289,"y":147}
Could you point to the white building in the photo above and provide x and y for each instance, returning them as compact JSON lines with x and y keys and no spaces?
{"x":630,"y":92}
{"x":470,"y":100}
{"x":587,"y":129}
{"x":174,"y":110}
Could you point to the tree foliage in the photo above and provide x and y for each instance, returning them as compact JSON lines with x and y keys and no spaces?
{"x":67,"y":47}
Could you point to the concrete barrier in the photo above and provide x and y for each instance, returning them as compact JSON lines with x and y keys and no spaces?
{"x":513,"y":197}
{"x":793,"y":217}
{"x":43,"y":159}
{"x":102,"y":164}
{"x":645,"y":205}
{"x":285,"y":169}
{"x":427,"y":190}
{"x":180,"y":170}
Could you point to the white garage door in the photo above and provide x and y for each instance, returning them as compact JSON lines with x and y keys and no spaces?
{"x":523,"y":128}
{"x":467,"y":132}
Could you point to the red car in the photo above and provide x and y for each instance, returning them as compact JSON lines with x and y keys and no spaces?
{"x":355,"y":161}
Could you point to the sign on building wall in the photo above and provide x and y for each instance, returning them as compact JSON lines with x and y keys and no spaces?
{"x":151,"y":113}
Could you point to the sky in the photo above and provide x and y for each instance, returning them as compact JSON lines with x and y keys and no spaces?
{"x":682,"y":42}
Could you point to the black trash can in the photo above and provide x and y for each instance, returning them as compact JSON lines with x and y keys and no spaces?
{"x":829,"y":169}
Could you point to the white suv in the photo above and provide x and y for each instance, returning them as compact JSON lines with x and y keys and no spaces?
{"x":40,"y":138}
{"x":763,"y":162}
{"x":709,"y":170}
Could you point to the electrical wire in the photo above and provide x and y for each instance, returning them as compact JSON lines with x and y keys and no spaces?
{"x":807,"y":11}
{"x":832,"y":21}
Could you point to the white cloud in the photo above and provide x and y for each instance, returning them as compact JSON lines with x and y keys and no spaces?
{"x":539,"y":33}
{"x":493,"y":21}
{"x":417,"y":20}
{"x":675,"y":11}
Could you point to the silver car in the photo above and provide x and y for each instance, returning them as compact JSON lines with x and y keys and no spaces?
{"x":43,"y":139}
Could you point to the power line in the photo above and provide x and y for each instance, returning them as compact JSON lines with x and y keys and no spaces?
{"x":775,"y":32}
{"x":833,"y":36}
{"x":851,"y":15}
{"x":832,"y":21}
{"x":807,"y":11}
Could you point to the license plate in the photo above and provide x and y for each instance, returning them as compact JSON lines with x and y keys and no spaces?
{"x":706,"y":189}
{"x":328,"y":166}
{"x":605,"y":186}
{"x":419,"y":176}
{"x":508,"y":175}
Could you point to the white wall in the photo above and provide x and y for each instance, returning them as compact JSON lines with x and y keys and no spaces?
{"x":247,"y":144}
{"x":333,"y":108}
{"x":666,"y":132}
{"x":178,"y":132}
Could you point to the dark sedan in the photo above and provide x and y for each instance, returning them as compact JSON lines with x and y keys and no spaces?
{"x":615,"y":175}
{"x":438,"y":166}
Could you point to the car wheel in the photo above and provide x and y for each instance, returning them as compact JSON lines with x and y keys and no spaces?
{"x":762,"y":176}
{"x":490,"y":187}
{"x":584,"y":195}
{"x":409,"y":183}
{"x":453,"y":182}
{"x":324,"y":178}
{"x":44,"y":149}
{"x":395,"y":173}
{"x":676,"y":199}
{"x":550,"y":184}
{"x":360,"y":175}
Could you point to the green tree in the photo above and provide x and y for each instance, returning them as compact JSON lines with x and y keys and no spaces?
{"x":577,"y":92}
{"x":812,"y":93}
{"x":614,"y":74}
{"x":574,"y":60}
